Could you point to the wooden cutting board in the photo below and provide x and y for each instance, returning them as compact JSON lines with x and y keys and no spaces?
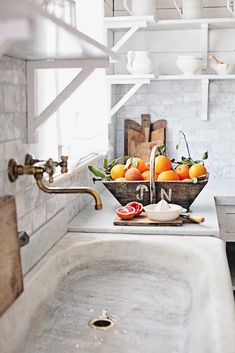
{"x":143,"y":221}
{"x":11,"y":282}
{"x":140,"y":139}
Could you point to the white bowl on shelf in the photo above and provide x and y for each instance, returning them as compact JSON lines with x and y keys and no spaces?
{"x":164,"y":216}
{"x":223,"y":69}
{"x":189,"y":65}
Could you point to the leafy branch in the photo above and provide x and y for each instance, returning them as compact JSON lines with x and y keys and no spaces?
{"x":189,"y":160}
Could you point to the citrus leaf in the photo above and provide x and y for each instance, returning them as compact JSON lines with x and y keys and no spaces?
{"x":97,"y":172}
{"x":162,"y":148}
{"x":177,"y":146}
{"x":205,"y":156}
{"x":105,"y":164}
{"x":113,"y":163}
{"x":135,"y":162}
{"x":128,"y":163}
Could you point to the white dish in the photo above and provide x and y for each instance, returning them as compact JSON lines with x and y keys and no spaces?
{"x":189,"y":67}
{"x":164,"y":216}
{"x":223,"y":69}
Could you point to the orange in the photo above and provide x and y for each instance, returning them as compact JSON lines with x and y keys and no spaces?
{"x":141,"y":165}
{"x":122,"y":179}
{"x":146,"y":175}
{"x":162,"y":163}
{"x":147,"y":165}
{"x":197,"y":170}
{"x":133,"y":174}
{"x":169,"y":175}
{"x":183,"y":171}
{"x":118,"y":171}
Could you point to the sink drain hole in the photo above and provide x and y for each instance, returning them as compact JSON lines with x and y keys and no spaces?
{"x":101,"y":324}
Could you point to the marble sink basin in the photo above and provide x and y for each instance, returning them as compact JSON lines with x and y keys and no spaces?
{"x":163,"y":294}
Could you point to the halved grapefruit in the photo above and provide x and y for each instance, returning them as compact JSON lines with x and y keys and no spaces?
{"x":137,"y":206}
{"x":125,"y":212}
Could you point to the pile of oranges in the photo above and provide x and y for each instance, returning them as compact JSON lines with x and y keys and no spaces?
{"x":163,"y":171}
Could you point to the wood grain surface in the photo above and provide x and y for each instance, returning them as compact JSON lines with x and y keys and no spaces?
{"x":140,"y":139}
{"x":11,"y":282}
{"x":144,"y":221}
{"x":178,"y":192}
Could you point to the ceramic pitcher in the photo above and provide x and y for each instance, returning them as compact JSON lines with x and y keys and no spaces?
{"x":141,"y":7}
{"x":230,"y":8}
{"x":139,"y":62}
{"x":190,"y":8}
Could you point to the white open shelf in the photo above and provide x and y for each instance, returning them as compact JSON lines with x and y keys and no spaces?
{"x":131,"y":24}
{"x":49,"y":38}
{"x":195,"y":77}
{"x":122,"y":22}
{"x":129,"y":79}
{"x":138,"y":80}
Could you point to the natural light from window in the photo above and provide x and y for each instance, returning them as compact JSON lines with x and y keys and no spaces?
{"x":80,"y":127}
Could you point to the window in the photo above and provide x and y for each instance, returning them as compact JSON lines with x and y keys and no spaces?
{"x":80,"y":127}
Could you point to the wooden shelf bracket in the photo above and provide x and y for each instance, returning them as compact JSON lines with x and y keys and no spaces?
{"x":34,"y":121}
{"x":125,"y":38}
{"x":132,"y":24}
{"x":135,"y":81}
{"x":125,"y":98}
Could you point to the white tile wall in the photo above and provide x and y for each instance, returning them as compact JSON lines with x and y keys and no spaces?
{"x":180,"y":104}
{"x":43,"y":216}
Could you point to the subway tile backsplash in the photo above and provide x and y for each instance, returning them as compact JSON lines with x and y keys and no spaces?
{"x":179,"y":102}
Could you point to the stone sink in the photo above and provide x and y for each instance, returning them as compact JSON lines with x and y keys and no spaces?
{"x":146,"y":294}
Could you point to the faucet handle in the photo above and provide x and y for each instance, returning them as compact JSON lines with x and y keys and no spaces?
{"x":30,"y":160}
{"x":64,"y":164}
{"x":50,"y":169}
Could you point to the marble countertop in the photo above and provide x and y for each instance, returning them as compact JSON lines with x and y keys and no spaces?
{"x":220,"y":191}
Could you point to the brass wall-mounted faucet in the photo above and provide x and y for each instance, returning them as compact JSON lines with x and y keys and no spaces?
{"x":37,"y":168}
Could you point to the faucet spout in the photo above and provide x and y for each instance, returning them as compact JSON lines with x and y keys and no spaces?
{"x":70,"y":190}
